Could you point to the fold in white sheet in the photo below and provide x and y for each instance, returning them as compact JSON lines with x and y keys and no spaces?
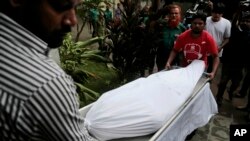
{"x":142,"y":106}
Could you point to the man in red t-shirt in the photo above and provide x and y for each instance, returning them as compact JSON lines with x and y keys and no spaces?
{"x":196,"y":43}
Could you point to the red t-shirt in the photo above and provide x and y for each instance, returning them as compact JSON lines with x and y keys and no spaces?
{"x":195,"y":47}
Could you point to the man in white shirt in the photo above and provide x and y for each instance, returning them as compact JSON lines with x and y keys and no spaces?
{"x":219,"y":28}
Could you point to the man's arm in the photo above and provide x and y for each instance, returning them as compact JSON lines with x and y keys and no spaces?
{"x":226,"y":36}
{"x":171,"y":58}
{"x":55,"y":110}
{"x":216,"y":62}
{"x":213,"y":50}
{"x":224,"y":43}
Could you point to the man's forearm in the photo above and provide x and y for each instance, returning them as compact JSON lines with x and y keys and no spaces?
{"x":216,"y":63}
{"x":225,"y":41}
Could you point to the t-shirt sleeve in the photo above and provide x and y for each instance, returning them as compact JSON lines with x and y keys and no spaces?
{"x":228,"y":30}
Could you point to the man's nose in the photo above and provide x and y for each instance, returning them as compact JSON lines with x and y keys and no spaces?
{"x":70,"y":18}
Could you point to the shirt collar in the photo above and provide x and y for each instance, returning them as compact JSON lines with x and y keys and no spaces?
{"x":22,"y":36}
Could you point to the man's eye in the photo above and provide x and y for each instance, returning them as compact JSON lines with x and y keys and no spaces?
{"x":61,"y":6}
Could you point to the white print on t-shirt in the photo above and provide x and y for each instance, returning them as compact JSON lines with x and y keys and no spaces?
{"x":192,"y":51}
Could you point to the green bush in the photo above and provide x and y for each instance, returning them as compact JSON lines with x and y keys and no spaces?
{"x":93,"y":74}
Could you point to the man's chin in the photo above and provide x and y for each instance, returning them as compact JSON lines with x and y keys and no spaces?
{"x":196,"y":31}
{"x":174,"y":23}
{"x":56,"y":39}
{"x":56,"y":42}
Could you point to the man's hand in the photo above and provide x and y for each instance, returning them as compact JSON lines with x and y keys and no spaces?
{"x":168,"y":66}
{"x":219,"y":49}
{"x":211,"y":75}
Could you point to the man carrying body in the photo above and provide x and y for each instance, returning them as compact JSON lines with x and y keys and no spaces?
{"x":38,"y":101}
{"x":196,"y":43}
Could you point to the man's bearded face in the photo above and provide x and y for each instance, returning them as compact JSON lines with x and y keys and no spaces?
{"x":174,"y":17}
{"x":174,"y":22}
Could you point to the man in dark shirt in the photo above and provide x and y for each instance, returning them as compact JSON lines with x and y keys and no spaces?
{"x":234,"y":57}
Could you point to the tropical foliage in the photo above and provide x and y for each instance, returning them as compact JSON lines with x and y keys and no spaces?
{"x":76,"y":59}
{"x":130,"y":50}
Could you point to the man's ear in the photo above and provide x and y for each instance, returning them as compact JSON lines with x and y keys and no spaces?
{"x":17,"y":3}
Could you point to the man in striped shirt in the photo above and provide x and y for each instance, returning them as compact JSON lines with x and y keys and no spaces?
{"x":38,"y":101}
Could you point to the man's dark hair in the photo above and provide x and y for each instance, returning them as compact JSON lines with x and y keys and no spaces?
{"x":200,"y":15}
{"x":219,"y":8}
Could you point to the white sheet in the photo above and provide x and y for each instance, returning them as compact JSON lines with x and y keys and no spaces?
{"x":197,"y":114}
{"x":141,"y":107}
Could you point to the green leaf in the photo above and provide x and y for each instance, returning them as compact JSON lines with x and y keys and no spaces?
{"x":88,"y":42}
{"x":92,"y":93}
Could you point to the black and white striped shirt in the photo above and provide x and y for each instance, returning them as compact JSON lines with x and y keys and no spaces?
{"x":38,"y":101}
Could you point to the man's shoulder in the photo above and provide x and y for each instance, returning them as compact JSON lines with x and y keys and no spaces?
{"x":209,"y":19}
{"x":206,"y":34}
{"x":184,"y":35}
{"x":224,"y":20}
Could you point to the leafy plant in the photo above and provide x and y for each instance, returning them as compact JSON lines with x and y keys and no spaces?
{"x":134,"y":46}
{"x":74,"y":59}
